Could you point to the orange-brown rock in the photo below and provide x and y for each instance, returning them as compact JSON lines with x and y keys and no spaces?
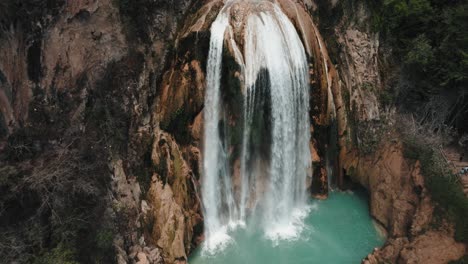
{"x":15,"y":88}
{"x":401,"y":203}
{"x":168,"y":221}
{"x":173,"y":198}
{"x":70,"y":50}
{"x":390,"y":180}
{"x":197,"y":127}
{"x":432,"y":248}
{"x":182,"y":92}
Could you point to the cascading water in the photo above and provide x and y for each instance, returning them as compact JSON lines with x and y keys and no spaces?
{"x":215,"y":176}
{"x":274,"y":65}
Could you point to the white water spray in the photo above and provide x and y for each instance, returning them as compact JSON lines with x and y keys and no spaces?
{"x":275,"y":65}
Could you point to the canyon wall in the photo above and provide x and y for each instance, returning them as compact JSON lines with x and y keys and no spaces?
{"x":373,"y":152}
{"x":123,"y":83}
{"x":77,"y":86}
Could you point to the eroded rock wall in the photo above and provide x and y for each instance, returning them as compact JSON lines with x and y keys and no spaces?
{"x":81,"y":77}
{"x":178,"y":118}
{"x":129,"y":78}
{"x":372,"y":154}
{"x":400,"y":202}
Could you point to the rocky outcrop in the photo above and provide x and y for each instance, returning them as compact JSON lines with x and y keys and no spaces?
{"x":83,"y":40}
{"x":360,"y":71}
{"x":128,"y":205}
{"x":432,"y":247}
{"x":173,"y":219}
{"x":372,"y":155}
{"x":140,"y":72}
{"x":396,"y":186}
{"x":75,"y":71}
{"x":401,"y":203}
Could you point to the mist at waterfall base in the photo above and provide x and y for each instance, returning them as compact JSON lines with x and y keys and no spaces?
{"x":336,"y":230}
{"x":275,"y":66}
{"x":262,"y":214}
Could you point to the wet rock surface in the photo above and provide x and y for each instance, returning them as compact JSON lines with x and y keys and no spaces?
{"x":401,"y":203}
{"x":56,"y":62}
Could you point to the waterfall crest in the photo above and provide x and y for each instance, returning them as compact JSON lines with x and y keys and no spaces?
{"x":276,"y":91}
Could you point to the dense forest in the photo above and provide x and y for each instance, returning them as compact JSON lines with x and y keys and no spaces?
{"x":429,"y":39}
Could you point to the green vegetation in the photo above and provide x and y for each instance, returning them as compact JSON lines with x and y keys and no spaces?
{"x":463,"y":260}
{"x":442,"y":184}
{"x":386,"y":97}
{"x":54,"y":173}
{"x":105,"y":239}
{"x":178,"y":123}
{"x":60,"y":254}
{"x":370,"y":134}
{"x":429,"y":37}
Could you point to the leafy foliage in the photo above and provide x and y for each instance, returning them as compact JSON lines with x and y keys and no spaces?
{"x":463,"y":260}
{"x":54,"y":174}
{"x":429,"y":37}
{"x":60,"y":254}
{"x":443,"y":185}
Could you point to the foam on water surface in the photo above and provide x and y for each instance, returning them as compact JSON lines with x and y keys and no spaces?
{"x":336,"y":230}
{"x":274,"y":64}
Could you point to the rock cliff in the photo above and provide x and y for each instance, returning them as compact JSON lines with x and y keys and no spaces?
{"x":372,"y":152}
{"x":80,"y":77}
{"x":400,"y":202}
{"x":122,"y":83}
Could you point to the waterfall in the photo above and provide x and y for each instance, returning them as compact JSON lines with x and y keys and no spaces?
{"x":275,"y":78}
{"x":214,"y":161}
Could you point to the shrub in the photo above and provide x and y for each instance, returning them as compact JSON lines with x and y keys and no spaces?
{"x":422,"y":53}
{"x":60,"y":254}
{"x":428,"y":39}
{"x":463,"y":260}
{"x":443,"y":185}
{"x":105,"y":239}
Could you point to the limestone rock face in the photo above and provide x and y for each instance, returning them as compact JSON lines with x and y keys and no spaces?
{"x":127,"y":189}
{"x":189,"y":80}
{"x":169,"y":225}
{"x":360,"y":71}
{"x":432,"y":248}
{"x":74,"y":57}
{"x":160,"y":80}
{"x":392,"y":181}
{"x":399,"y":200}
{"x":87,"y":26}
{"x":401,"y":203}
{"x":86,"y":37}
{"x":175,"y":209}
